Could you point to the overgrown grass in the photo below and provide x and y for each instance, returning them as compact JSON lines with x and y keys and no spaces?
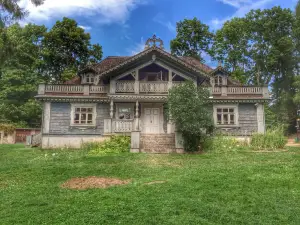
{"x":272,"y":139}
{"x":223,"y":144}
{"x":115,"y":145}
{"x":212,"y":188}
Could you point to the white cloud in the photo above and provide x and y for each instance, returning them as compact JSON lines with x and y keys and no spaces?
{"x":235,"y":3}
{"x":137,"y":48}
{"x":160,"y":18}
{"x":102,"y":11}
{"x":243,"y":7}
{"x":86,"y":28}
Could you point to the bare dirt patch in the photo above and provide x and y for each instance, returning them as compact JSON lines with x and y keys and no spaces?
{"x":93,"y":182}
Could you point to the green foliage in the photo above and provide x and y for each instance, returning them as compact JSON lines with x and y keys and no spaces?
{"x":115,"y":145}
{"x":191,"y":113}
{"x":7,"y":128}
{"x":31,"y":55}
{"x":272,"y":139}
{"x":193,"y":39}
{"x":10,"y":10}
{"x":223,"y":144}
{"x":67,"y":47}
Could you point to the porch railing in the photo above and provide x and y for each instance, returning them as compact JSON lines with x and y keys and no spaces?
{"x":56,"y":88}
{"x":122,"y":126}
{"x":125,"y":86}
{"x":154,"y":87}
{"x":240,"y":90}
{"x":98,"y":89}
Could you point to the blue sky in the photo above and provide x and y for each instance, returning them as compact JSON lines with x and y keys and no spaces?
{"x":123,"y":26}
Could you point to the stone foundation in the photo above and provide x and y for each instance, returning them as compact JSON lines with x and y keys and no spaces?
{"x":65,"y":141}
{"x":158,"y":143}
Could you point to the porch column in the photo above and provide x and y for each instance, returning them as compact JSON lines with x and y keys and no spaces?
{"x":46,"y":118}
{"x":136,"y":125}
{"x":260,"y":118}
{"x":112,"y":87}
{"x":137,"y":82}
{"x":170,"y":79}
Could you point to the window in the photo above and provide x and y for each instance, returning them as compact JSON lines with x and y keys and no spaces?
{"x":83,"y":115}
{"x":226,"y":115}
{"x":218,"y":80}
{"x":89,"y":78}
{"x":125,"y":111}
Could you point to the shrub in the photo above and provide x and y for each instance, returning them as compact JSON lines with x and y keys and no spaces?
{"x":116,"y":144}
{"x":272,"y":139}
{"x":222,"y":144}
{"x":191,"y":112}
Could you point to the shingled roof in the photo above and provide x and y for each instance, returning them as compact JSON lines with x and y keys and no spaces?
{"x":112,"y":61}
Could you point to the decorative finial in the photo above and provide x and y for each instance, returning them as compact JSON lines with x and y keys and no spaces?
{"x":220,"y":63}
{"x":151,"y":42}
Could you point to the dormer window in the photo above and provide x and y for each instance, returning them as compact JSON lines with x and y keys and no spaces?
{"x":89,"y":78}
{"x":218,"y":80}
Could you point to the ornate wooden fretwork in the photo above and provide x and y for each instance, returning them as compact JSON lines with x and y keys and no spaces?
{"x":153,"y":42}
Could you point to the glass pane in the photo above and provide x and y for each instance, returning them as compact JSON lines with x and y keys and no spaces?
{"x":83,"y":117}
{"x":83,"y":109}
{"x":92,"y":80}
{"x":77,"y":109}
{"x":219,"y":119}
{"x":83,"y":122}
{"x":76,"y":121}
{"x":225,"y":118}
{"x":127,"y":116}
{"x":76,"y":116}
{"x":219,"y":110}
{"x":225,"y":110}
{"x":90,"y":116}
{"x":231,"y":110}
{"x":89,"y":121}
{"x":121,"y":116}
{"x":90,"y":109}
{"x":231,"y":119}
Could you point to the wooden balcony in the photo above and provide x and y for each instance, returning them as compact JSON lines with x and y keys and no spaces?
{"x":145,"y":87}
{"x":240,"y":91}
{"x":62,"y":89}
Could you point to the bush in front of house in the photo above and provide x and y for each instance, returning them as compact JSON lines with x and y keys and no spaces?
{"x":191,"y":112}
{"x":272,"y":139}
{"x":221,"y":144}
{"x":116,"y":144}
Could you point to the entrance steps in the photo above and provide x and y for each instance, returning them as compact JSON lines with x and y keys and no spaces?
{"x":157,"y":143}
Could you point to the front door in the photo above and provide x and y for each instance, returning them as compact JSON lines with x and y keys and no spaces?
{"x":151,"y":121}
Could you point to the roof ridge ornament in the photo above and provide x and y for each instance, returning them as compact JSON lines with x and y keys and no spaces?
{"x":152,"y":42}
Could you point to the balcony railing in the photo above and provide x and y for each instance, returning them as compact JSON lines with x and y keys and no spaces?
{"x":154,"y":87}
{"x":122,"y":126}
{"x":125,"y":86}
{"x":54,"y":88}
{"x":144,"y":87}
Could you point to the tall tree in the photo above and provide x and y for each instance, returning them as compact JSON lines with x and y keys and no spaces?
{"x":193,"y":39}
{"x":10,"y":10}
{"x":66,"y":47}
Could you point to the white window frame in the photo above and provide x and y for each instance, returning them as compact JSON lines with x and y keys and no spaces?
{"x":236,"y":115}
{"x":218,"y":77}
{"x":89,"y":76}
{"x":74,"y":106}
{"x":124,"y":105}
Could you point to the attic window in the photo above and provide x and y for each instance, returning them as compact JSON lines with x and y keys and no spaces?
{"x":218,"y":80}
{"x":89,"y":78}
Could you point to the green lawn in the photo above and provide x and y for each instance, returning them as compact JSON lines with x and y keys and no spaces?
{"x":232,"y":188}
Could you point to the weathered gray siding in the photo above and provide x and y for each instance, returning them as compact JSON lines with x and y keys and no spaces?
{"x":247,"y":121}
{"x":60,"y":118}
